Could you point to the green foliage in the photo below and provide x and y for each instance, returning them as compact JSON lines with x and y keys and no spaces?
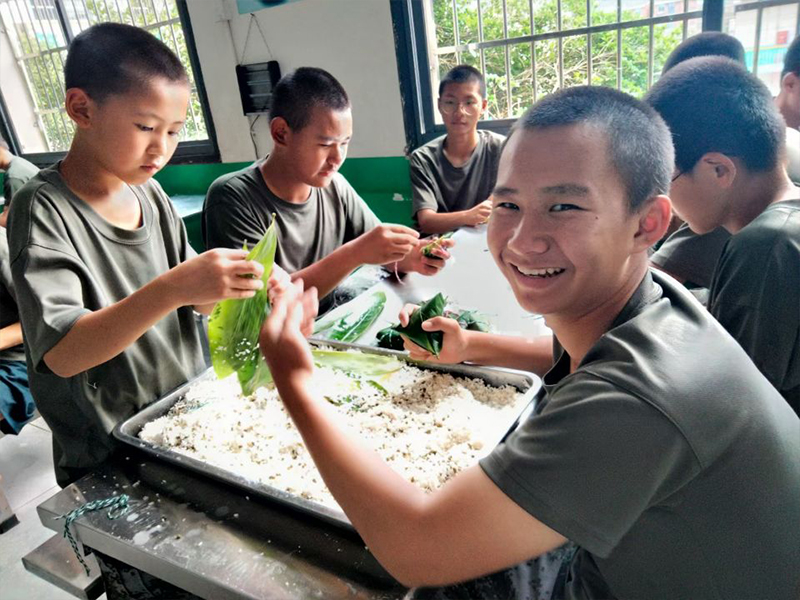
{"x":43,"y":51}
{"x":342,"y":330}
{"x":518,"y":59}
{"x":430,"y":340}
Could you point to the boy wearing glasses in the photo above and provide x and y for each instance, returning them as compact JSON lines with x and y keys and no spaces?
{"x":453,"y":175}
{"x":730,"y":167}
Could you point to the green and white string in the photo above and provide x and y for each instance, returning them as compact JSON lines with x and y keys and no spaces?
{"x":116,"y":505}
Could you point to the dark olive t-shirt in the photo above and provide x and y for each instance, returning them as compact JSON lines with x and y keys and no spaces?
{"x":755,"y":294}
{"x":66,"y":261}
{"x":441,"y":187}
{"x":239,"y":208}
{"x":8,"y":300}
{"x":692,"y":257}
{"x":666,"y":457}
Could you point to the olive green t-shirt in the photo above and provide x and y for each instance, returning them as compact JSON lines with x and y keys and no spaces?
{"x":666,"y":457}
{"x":439,"y":186}
{"x":67,"y":261}
{"x":755,"y":295}
{"x":692,"y":257}
{"x":18,"y":173}
{"x":239,"y":208}
{"x":8,"y":300}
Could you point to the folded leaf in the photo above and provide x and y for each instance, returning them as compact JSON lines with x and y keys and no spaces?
{"x":430,"y":340}
{"x":428,"y":249}
{"x":234,"y":325}
{"x":389,"y":338}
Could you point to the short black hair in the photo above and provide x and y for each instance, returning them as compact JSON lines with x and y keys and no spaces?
{"x":791,"y":60}
{"x":638,"y":139}
{"x":298,"y":92}
{"x":463,"y":74}
{"x":112,"y":59}
{"x":708,"y":43}
{"x":713,"y":104}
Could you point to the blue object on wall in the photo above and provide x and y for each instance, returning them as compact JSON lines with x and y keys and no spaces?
{"x":249,"y":6}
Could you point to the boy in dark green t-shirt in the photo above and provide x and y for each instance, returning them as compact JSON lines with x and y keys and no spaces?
{"x":106,"y":281}
{"x":730,"y":171}
{"x":657,"y":435}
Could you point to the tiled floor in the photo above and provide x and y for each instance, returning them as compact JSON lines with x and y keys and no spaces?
{"x":26,"y":464}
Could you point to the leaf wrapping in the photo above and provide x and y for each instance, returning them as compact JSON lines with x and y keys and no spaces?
{"x":430,"y":340}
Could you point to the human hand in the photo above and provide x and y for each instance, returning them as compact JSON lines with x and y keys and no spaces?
{"x":455,"y":341}
{"x":282,"y":340}
{"x":279,"y":283}
{"x":417,"y":262}
{"x":385,"y":244}
{"x":212,"y":276}
{"x":479,"y":214}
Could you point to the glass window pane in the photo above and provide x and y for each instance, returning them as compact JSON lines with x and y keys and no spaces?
{"x":665,"y":37}
{"x":467,"y":14}
{"x":443,"y":21}
{"x":546,"y":67}
{"x":633,"y":10}
{"x":604,"y":58}
{"x":635,"y":54}
{"x":573,"y":14}
{"x":519,"y":17}
{"x":492,"y":18}
{"x":545,"y":16}
{"x":496,"y":87}
{"x":604,"y":12}
{"x":574,"y":51}
{"x":521,"y":72}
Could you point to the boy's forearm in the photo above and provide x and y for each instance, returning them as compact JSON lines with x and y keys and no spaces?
{"x":10,"y":336}
{"x":511,"y":351}
{"x":99,"y":336}
{"x":327,"y":273}
{"x":435,"y":222}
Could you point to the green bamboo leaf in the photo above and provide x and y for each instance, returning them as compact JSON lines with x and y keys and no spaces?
{"x":430,"y":340}
{"x":349,"y":333}
{"x":389,"y":338}
{"x":234,"y":325}
{"x":428,"y":249}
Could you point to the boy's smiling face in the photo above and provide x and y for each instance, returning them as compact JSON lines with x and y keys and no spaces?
{"x":134,"y":135}
{"x":561,"y":231}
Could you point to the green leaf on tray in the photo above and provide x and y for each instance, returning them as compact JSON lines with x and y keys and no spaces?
{"x":472,"y":320}
{"x":367,"y":365}
{"x":389,"y":338}
{"x":430,"y":340}
{"x":342,"y":330}
{"x":234,"y":325}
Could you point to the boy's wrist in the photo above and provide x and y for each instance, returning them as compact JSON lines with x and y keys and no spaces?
{"x":163,"y":290}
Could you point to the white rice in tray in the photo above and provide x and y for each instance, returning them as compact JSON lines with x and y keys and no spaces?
{"x":428,"y":426}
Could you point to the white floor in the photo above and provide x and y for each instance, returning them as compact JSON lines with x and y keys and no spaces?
{"x":26,"y":464}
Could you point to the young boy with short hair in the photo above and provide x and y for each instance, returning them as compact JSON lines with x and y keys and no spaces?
{"x":687,"y":256}
{"x":729,"y":172}
{"x":106,"y":280}
{"x":325,"y":230}
{"x":453,"y":176}
{"x":657,"y":436}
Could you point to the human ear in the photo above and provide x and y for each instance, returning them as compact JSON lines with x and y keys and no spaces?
{"x":80,"y":107}
{"x":718,"y":168}
{"x":654,"y":220}
{"x":280,"y":131}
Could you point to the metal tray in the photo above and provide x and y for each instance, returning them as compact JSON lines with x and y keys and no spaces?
{"x":128,"y":431}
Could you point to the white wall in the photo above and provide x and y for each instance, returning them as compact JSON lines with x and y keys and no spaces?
{"x":352,"y":39}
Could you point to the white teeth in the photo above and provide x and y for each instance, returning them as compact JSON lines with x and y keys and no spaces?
{"x":549,"y":271}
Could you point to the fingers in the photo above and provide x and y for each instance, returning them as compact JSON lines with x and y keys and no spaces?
{"x":416,"y":352}
{"x":441,"y":324}
{"x":402,"y":229}
{"x":406,"y":312}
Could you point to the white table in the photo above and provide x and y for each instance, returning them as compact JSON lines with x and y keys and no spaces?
{"x":470,"y":280}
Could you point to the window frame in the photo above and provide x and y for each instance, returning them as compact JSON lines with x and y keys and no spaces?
{"x":190,"y":151}
{"x":413,"y":66}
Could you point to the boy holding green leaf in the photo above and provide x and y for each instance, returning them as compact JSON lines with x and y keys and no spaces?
{"x":325,"y":230}
{"x":106,"y":280}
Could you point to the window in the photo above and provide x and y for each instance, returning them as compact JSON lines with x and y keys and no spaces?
{"x":765,"y":29}
{"x":33,"y":48}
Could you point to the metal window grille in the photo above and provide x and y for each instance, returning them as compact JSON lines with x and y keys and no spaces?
{"x":40,"y":31}
{"x":529,"y":48}
{"x":771,"y":53}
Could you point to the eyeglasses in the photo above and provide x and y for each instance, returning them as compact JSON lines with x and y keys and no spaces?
{"x":676,"y":176}
{"x":470,"y":107}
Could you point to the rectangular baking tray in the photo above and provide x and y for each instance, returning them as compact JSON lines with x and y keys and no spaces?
{"x":127,"y":432}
